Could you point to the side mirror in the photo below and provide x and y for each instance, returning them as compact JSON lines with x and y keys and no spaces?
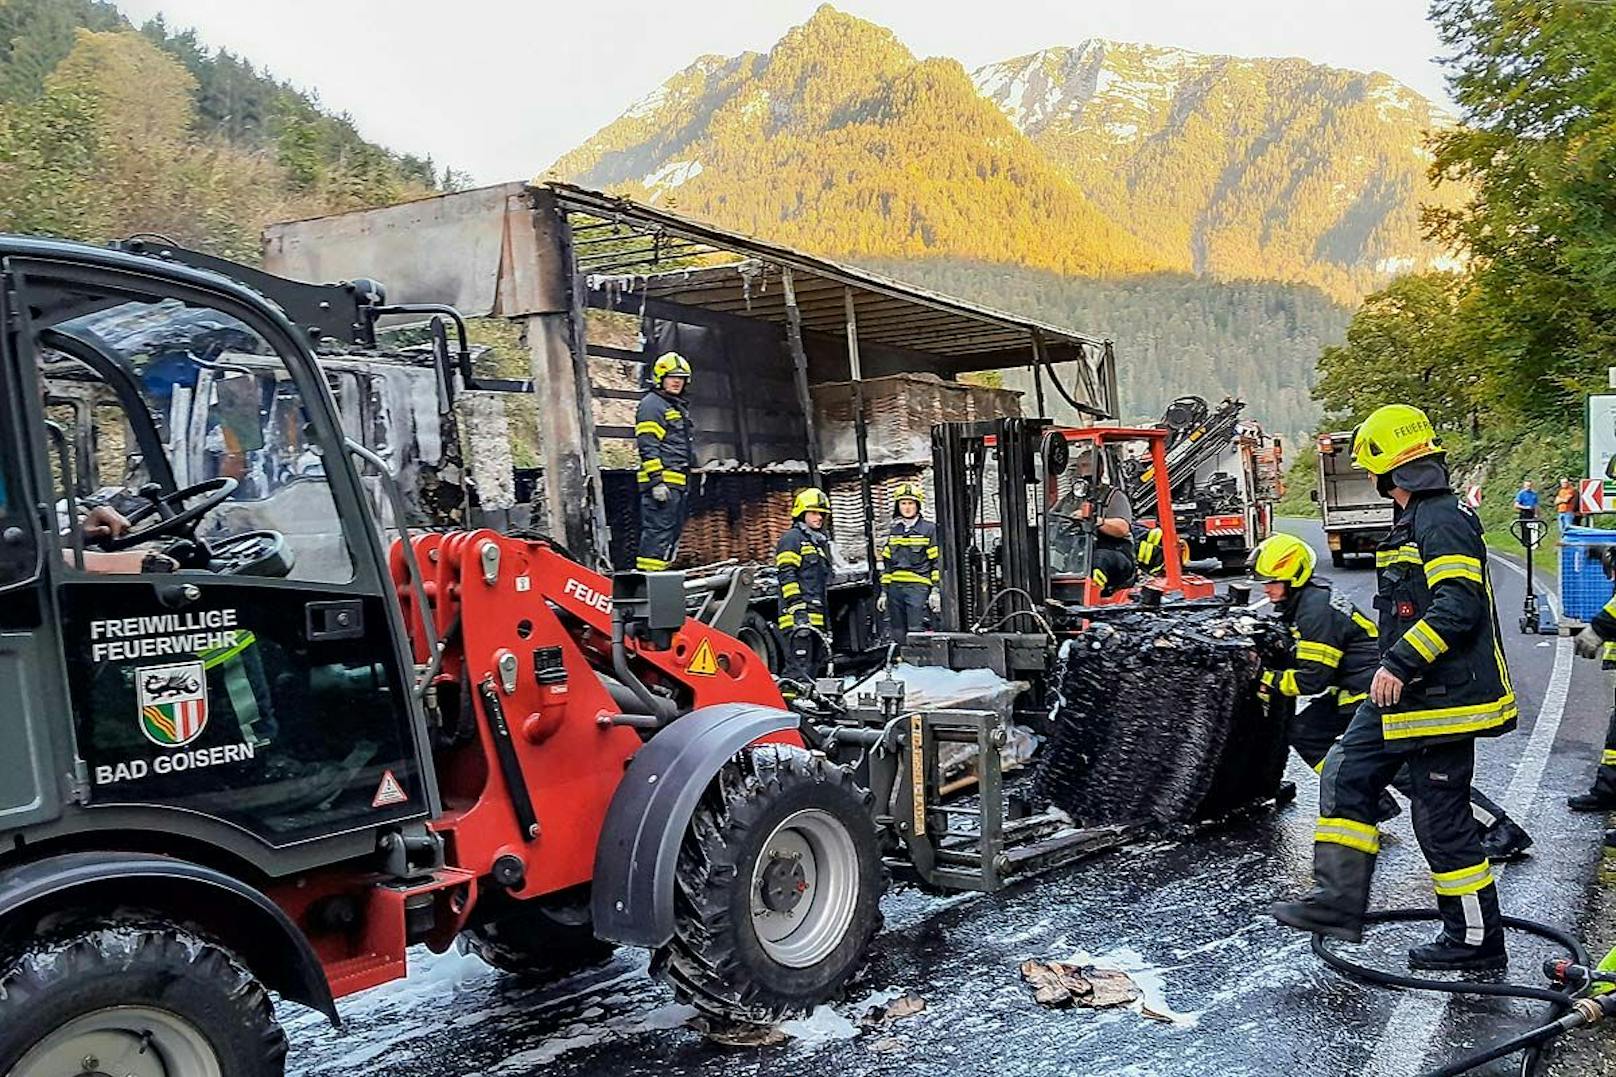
{"x":1610,"y":468}
{"x":1313,"y":496}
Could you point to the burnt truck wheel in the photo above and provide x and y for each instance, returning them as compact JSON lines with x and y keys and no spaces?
{"x":778,"y":891}
{"x":533,"y":943}
{"x":134,"y":1000}
{"x":764,"y":640}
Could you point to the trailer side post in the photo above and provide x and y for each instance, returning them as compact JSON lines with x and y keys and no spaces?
{"x":860,"y":432}
{"x":799,"y":361}
{"x":574,"y":506}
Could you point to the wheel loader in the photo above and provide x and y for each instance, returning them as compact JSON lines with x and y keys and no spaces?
{"x":248,"y":745}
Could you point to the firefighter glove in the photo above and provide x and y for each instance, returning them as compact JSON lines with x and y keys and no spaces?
{"x":660,"y":491}
{"x":934,"y":601}
{"x":881,"y":602}
{"x":1588,"y":643}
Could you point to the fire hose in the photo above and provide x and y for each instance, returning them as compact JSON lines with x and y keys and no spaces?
{"x":1574,"y":1004}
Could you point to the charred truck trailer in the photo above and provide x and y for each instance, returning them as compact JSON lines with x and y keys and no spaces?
{"x":806,"y":372}
{"x":253,"y":746}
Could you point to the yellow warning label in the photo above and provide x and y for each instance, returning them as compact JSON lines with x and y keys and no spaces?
{"x":703,"y":663}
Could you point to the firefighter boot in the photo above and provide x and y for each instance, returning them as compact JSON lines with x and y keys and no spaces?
{"x":1335,"y":906}
{"x":1472,"y":938}
{"x":1595,"y":799}
{"x":1504,"y":841}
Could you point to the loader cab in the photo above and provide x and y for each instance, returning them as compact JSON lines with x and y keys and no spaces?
{"x":229,"y":668}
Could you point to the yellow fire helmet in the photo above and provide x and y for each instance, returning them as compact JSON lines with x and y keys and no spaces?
{"x":911,"y":490}
{"x":669,"y":364}
{"x":1283,"y":559}
{"x":811,"y":499}
{"x":1392,"y":436}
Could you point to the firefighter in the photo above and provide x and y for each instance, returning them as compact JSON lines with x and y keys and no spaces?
{"x":665,"y":437}
{"x":909,"y":574}
{"x":1441,"y":682}
{"x":802,"y":562}
{"x":1598,"y":639}
{"x":1105,"y":509}
{"x":1336,"y":653}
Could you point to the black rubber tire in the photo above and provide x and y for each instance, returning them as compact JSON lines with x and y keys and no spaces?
{"x":1338,"y":559}
{"x":764,"y":640}
{"x":99,"y":965}
{"x":714,"y":961}
{"x":529,"y":942}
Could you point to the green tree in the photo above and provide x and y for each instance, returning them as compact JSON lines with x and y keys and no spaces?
{"x":1402,"y":346}
{"x":1536,"y":80}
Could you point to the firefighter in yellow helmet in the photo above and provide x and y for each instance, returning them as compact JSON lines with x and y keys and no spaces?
{"x":802,"y":561}
{"x":1335,"y":655}
{"x":665,"y":438}
{"x":1441,"y":682}
{"x":909,"y":573}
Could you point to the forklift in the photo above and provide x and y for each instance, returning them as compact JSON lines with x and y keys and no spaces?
{"x":251,"y":745}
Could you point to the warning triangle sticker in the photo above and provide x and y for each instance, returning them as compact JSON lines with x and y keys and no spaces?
{"x":703,"y":663}
{"x":388,"y":792}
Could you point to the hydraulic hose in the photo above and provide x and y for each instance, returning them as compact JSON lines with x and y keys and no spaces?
{"x":1574,"y":1011}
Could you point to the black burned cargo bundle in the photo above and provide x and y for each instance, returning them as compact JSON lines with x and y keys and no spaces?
{"x":1158,"y":719}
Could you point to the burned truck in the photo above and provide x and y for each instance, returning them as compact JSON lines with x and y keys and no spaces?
{"x":807,"y":372}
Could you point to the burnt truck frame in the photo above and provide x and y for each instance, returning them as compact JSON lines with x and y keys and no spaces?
{"x":765,"y":326}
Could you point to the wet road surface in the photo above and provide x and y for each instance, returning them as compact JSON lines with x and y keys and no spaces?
{"x":1186,"y":918}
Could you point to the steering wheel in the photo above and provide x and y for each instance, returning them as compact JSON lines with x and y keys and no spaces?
{"x":170,"y":514}
{"x":251,"y":553}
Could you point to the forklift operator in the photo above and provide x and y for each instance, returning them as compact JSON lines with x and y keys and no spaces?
{"x":1105,"y":511}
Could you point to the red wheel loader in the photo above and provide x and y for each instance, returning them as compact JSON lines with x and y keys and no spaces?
{"x":247,"y":745}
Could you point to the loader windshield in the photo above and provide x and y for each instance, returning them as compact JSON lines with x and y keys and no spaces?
{"x":171,"y":394}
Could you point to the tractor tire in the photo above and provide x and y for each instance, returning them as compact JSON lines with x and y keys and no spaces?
{"x":764,"y":640}
{"x":778,"y":891}
{"x":150,"y":999}
{"x":1338,"y":559}
{"x":529,"y":942}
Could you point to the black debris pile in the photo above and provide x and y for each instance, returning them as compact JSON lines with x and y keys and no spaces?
{"x":1159,"y":720}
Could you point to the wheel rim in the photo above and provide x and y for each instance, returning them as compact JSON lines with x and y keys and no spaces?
{"x":122,"y":1041}
{"x":754,"y":641}
{"x":811,"y":854}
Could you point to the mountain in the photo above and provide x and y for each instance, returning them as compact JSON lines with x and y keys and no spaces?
{"x":1103,"y":159}
{"x":1217,"y":216}
{"x":840,"y":141}
{"x":1281,"y":169}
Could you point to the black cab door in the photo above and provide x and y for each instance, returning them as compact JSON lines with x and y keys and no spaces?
{"x":232,"y":658}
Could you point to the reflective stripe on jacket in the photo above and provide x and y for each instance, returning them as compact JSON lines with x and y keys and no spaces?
{"x":910,"y":553}
{"x":666,"y":439}
{"x":802,"y":566}
{"x":1439,"y":625}
{"x":1336,"y":644}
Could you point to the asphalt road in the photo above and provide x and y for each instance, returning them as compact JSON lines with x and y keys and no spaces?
{"x":1186,"y":918}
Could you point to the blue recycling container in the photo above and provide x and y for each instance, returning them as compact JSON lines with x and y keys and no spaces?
{"x":1584,"y":587}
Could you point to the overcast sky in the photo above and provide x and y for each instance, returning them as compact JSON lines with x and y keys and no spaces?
{"x":501,"y":88}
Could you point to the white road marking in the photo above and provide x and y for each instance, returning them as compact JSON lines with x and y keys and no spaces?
{"x":1413,"y":1023}
{"x":1546,"y":592}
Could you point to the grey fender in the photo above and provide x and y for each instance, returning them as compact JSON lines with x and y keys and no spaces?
{"x":638,"y":854}
{"x":238,"y":916}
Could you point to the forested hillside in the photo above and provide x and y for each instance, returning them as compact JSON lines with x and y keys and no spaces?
{"x":107,"y":130}
{"x":1175,"y":334}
